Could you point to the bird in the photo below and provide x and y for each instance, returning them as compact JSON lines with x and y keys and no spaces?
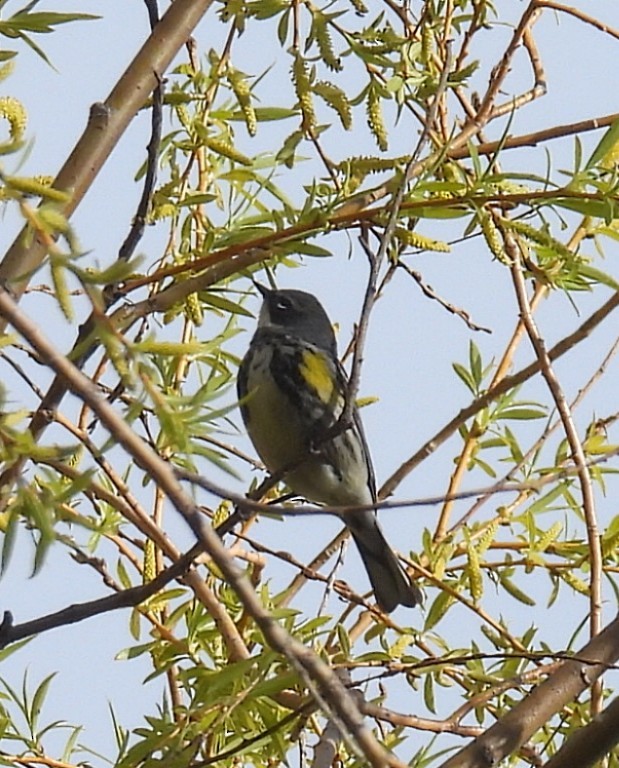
{"x":292,"y":391}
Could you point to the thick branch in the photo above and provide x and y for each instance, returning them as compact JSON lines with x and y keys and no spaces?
{"x":591,"y":743}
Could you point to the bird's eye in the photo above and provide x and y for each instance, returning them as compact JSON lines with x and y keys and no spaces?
{"x":283,"y":304}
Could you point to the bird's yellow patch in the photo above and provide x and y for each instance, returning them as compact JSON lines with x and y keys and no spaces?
{"x":317,"y":373}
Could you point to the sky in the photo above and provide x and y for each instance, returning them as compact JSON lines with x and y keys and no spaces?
{"x":411,"y":346}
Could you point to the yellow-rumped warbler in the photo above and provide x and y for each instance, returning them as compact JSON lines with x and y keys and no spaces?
{"x":292,"y":390}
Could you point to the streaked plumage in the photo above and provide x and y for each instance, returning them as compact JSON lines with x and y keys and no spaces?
{"x":291,"y":388}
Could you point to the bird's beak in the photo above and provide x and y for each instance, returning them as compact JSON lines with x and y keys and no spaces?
{"x":263,"y":290}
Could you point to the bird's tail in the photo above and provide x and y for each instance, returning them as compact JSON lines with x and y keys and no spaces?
{"x":390,"y":582}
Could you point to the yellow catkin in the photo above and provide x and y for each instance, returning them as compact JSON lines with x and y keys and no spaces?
{"x":476,"y":583}
{"x":240,"y":87}
{"x":337,"y":100}
{"x":227,"y":150}
{"x":427,"y":42}
{"x":577,"y":584}
{"x":540,"y":237}
{"x":193,"y":309}
{"x":487,"y":537}
{"x":13,"y":111}
{"x":375,"y":119}
{"x":222,"y":513}
{"x":302,"y":85}
{"x":184,"y":117}
{"x":150,"y":561}
{"x":416,"y":240}
{"x":493,"y":237}
{"x":29,"y":185}
{"x":325,"y":43}
{"x":548,"y":538}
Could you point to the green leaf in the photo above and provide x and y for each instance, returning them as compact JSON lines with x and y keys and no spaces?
{"x":515,"y":591}
{"x":42,"y":21}
{"x":544,"y":502}
{"x":10,"y":533}
{"x":475,"y":363}
{"x":597,"y":276}
{"x":441,"y":212}
{"x":516,"y":413}
{"x":608,"y":210}
{"x":428,"y":693}
{"x":217,"y":301}
{"x":197,"y":199}
{"x":135,"y":651}
{"x":606,"y":145}
{"x":344,"y":640}
{"x":6,"y":652}
{"x":169,"y":348}
{"x":134,"y":624}
{"x":465,"y":375}
{"x":38,"y":699}
{"x":438,"y":609}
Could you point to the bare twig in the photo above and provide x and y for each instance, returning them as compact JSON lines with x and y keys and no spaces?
{"x":377,"y":260}
{"x":309,"y":510}
{"x":10,"y":633}
{"x":578,"y":454}
{"x":136,"y":231}
{"x":428,"y":291}
{"x":581,"y":15}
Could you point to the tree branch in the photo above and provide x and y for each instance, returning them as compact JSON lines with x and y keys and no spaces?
{"x":525,"y":718}
{"x":128,"y":598}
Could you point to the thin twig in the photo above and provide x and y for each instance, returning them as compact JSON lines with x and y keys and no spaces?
{"x":581,"y":15}
{"x":136,"y":232}
{"x":537,"y":137}
{"x":428,"y":291}
{"x":578,"y":454}
{"x":385,"y":242}
{"x":310,"y":510}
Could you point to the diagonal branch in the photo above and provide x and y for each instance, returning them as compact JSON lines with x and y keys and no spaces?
{"x":505,"y":385}
{"x":128,"y":598}
{"x":578,"y":454}
{"x":107,"y":123}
